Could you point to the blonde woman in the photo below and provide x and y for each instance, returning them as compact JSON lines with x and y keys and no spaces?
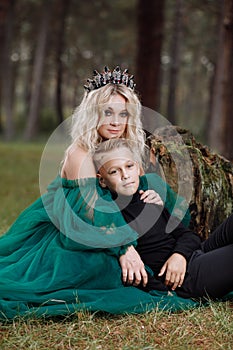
{"x":111,"y":111}
{"x":56,"y":258}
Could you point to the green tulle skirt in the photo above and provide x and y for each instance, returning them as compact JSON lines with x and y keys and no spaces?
{"x":62,"y":255}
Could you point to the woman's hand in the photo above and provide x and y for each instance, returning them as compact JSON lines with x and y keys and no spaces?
{"x":132,"y":266}
{"x":175,"y":268}
{"x":150,"y":196}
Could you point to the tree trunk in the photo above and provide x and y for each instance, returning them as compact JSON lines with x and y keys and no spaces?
{"x":63,"y":11}
{"x":3,"y":19}
{"x":7,"y":76}
{"x":37,"y":74}
{"x":175,"y":60}
{"x":212,"y":180}
{"x":214,"y":127}
{"x":149,"y":45}
{"x":228,"y":80}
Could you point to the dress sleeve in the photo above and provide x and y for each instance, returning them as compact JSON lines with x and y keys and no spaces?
{"x":175,"y":204}
{"x":85,"y":220}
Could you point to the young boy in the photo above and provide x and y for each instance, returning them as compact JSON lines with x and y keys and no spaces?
{"x":179,"y":260}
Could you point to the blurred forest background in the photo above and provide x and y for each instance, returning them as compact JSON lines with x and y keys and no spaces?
{"x":180,"y":52}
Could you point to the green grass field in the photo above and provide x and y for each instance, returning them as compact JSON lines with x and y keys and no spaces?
{"x":204,"y":328}
{"x":19,"y":166}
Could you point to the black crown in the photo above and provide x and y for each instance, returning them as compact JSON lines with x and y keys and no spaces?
{"x":108,"y":77}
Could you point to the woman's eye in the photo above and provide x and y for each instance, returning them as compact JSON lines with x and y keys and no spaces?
{"x":107,"y":113}
{"x":124,"y":114}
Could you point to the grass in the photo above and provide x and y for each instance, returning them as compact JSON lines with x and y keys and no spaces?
{"x":209,"y":328}
{"x":204,"y":328}
{"x":19,"y":166}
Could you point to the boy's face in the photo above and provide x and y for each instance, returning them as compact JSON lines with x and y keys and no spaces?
{"x":119,"y":172}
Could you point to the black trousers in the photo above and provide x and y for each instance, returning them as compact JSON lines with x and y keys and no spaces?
{"x":210,"y":269}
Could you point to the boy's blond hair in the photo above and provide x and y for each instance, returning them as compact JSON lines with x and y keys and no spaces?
{"x":113,"y":145}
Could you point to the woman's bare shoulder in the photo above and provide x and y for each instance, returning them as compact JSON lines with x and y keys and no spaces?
{"x":77,"y":164}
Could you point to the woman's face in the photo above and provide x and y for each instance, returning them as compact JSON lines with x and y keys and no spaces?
{"x":113,"y":122}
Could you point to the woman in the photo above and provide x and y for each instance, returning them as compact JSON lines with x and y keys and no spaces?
{"x":57,"y":258}
{"x":110,"y":110}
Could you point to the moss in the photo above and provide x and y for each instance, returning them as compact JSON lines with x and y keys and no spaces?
{"x":212,"y":197}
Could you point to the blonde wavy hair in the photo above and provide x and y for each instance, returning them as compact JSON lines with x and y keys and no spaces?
{"x":86,"y":117}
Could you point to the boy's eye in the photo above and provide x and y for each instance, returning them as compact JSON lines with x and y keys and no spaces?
{"x":113,"y":172}
{"x":130,"y":165}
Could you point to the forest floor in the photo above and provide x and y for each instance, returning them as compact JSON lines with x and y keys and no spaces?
{"x":202,"y":328}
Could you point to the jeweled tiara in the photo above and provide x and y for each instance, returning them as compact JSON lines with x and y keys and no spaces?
{"x":107,"y":77}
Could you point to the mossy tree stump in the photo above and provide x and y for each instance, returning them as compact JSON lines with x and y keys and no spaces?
{"x":212,"y":190}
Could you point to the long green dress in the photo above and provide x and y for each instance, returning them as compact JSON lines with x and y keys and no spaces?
{"x":62,"y":255}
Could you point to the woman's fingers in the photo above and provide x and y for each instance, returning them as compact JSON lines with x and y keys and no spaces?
{"x":140,"y":277}
{"x":144,"y":277}
{"x":124,"y":274}
{"x":135,"y":276}
{"x":133,"y":269}
{"x":150,"y":196}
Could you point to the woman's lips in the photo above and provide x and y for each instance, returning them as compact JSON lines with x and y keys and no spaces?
{"x":114,"y":131}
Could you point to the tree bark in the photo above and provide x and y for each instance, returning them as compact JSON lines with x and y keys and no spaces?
{"x":221,"y":121}
{"x":175,"y":60}
{"x":214,"y":122}
{"x":3,"y":19}
{"x":149,"y":45}
{"x":228,"y":80}
{"x":7,"y":76}
{"x":212,"y":184}
{"x":63,"y":11}
{"x":37,"y":74}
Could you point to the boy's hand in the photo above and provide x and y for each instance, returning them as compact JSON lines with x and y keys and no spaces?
{"x":150,"y":196}
{"x":175,"y":268}
{"x":132,"y":266}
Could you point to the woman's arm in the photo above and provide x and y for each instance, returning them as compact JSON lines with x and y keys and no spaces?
{"x":78,"y":164}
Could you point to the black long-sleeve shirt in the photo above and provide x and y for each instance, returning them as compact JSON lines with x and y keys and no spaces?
{"x":155,"y":244}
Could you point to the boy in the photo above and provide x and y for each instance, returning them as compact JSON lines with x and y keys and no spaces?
{"x":178,"y":259}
